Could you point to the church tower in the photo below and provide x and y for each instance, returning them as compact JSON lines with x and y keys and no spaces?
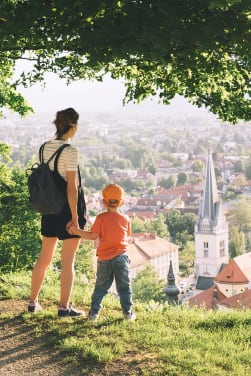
{"x":211,"y":233}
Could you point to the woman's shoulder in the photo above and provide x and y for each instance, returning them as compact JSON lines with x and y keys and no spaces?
{"x":70,"y":149}
{"x":51,"y":146}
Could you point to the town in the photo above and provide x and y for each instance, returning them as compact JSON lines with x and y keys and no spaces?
{"x":163,"y":164}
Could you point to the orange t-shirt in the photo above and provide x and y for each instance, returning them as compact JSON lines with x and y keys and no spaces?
{"x":112,"y":230}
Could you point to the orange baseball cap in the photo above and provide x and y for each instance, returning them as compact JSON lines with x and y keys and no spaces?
{"x":113,"y":195}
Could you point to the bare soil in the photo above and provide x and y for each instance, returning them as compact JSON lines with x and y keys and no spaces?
{"x":22,"y":353}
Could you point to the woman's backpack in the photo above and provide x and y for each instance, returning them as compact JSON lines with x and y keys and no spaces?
{"x":47,"y":189}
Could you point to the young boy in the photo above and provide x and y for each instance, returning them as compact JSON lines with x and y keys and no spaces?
{"x":112,"y":229}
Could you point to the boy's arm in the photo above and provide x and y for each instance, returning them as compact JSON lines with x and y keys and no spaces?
{"x":88,"y":235}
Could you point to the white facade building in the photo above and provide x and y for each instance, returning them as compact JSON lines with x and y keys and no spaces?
{"x":211,"y":233}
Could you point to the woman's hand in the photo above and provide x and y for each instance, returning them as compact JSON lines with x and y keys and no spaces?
{"x":72,"y":222}
{"x":72,"y":229}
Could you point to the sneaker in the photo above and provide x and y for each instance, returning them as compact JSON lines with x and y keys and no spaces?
{"x":130,"y":316}
{"x":34,"y":307}
{"x":93,"y":317}
{"x":69,"y":312}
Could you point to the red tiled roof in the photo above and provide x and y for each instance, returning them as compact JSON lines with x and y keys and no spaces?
{"x":153,"y":245}
{"x":144,"y":214}
{"x":148,"y":201}
{"x":208,"y":298}
{"x":148,"y":246}
{"x":136,"y":255}
{"x":242,"y":300}
{"x":231,"y":274}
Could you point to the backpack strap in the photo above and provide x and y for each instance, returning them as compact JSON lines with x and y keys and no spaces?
{"x":41,"y":153}
{"x":56,"y":164}
{"x":56,"y":153}
{"x":79,"y":178}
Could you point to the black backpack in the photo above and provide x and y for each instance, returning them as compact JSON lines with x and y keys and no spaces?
{"x":47,"y":189}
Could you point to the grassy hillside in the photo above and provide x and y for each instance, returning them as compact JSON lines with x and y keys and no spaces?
{"x":162,"y":341}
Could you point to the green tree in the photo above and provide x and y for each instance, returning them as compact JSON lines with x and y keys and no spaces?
{"x":186,"y":258}
{"x":239,"y":181}
{"x":177,"y":162}
{"x":147,"y":286}
{"x":240,"y":219}
{"x":137,"y":225}
{"x":198,"y":166}
{"x":159,"y":226}
{"x":217,"y":172}
{"x":167,"y":183}
{"x":182,"y":178}
{"x":20,"y":240}
{"x":94,"y":177}
{"x":239,"y":166}
{"x":140,"y":156}
{"x":248,"y":170}
{"x":132,"y":184}
{"x":173,"y":219}
{"x":199,"y":50}
{"x":4,"y":170}
{"x":181,"y":227}
{"x":152,"y":169}
{"x":236,"y":242}
{"x":241,"y":215}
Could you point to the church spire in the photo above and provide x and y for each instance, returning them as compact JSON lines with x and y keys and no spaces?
{"x":210,"y":213}
{"x":211,"y":197}
{"x":171,"y":290}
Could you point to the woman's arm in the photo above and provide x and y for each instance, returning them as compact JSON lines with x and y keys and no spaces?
{"x":72,"y":195}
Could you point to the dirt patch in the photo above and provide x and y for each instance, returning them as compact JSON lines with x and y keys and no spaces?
{"x":22,"y":353}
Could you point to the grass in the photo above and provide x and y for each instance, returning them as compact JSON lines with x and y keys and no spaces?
{"x":164,"y":340}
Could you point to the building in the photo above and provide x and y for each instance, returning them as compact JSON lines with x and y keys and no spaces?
{"x":149,"y":249}
{"x":211,"y":233}
{"x":232,"y":287}
{"x":235,"y":278}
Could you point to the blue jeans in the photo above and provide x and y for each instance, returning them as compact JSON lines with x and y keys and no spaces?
{"x":107,"y":271}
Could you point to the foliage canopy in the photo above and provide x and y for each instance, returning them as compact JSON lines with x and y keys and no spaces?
{"x":197,"y":49}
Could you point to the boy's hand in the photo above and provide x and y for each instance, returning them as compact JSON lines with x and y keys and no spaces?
{"x":130,"y":240}
{"x":72,"y":229}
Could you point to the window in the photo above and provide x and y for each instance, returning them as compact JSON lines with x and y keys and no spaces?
{"x":222,"y":248}
{"x":205,"y":221}
{"x":205,"y":249}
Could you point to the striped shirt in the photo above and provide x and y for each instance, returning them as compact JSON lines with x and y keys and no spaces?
{"x":68,"y":159}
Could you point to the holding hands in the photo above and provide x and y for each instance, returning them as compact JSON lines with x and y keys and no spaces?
{"x":72,"y":228}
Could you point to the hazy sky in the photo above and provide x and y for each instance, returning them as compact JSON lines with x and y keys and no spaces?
{"x":87,"y":96}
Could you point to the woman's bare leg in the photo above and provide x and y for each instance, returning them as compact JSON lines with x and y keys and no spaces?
{"x":69,"y":250}
{"x":47,"y":251}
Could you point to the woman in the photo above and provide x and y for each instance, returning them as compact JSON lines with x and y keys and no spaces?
{"x":53,"y":226}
